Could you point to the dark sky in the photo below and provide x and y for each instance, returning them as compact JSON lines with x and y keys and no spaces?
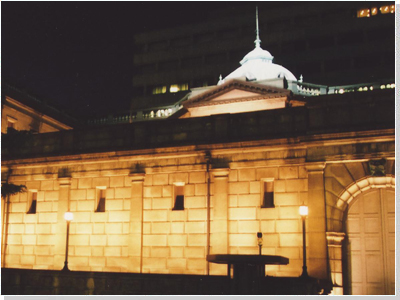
{"x":79,"y":55}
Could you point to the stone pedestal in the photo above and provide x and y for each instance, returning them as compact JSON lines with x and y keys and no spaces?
{"x":335,"y":240}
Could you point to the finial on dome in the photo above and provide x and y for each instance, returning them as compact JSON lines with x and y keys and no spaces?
{"x":301,"y":78}
{"x":221,"y":81}
{"x":257,"y":41}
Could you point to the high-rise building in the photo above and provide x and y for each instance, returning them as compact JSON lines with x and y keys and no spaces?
{"x":319,"y":40}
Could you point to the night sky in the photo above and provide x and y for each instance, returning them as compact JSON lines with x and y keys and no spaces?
{"x":79,"y":55}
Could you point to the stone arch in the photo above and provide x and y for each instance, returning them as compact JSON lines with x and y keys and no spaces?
{"x":370,"y":278}
{"x":343,"y":181}
{"x":363,"y":185}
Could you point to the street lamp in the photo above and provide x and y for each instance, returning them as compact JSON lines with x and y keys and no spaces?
{"x":68,"y":216}
{"x":303,"y":210}
{"x":259,"y":241}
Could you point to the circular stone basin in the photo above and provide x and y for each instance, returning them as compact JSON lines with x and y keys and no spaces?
{"x":247,"y":259}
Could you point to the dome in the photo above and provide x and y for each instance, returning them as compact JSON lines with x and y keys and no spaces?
{"x":257,"y":53}
{"x":257,"y":65}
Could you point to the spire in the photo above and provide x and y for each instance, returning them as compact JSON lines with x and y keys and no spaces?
{"x":257,"y":41}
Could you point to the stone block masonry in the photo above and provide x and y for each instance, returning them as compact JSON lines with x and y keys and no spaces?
{"x":140,"y":232}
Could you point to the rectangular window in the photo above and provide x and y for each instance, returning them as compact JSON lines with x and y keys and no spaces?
{"x":179,"y":196}
{"x":267,"y":194}
{"x":101,"y":200}
{"x":174,"y":88}
{"x":32,"y":202}
{"x":159,"y":90}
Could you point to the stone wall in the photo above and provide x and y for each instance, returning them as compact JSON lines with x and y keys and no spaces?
{"x":140,"y":232}
{"x":173,"y":241}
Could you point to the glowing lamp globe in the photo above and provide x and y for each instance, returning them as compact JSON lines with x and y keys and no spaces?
{"x":303,"y":210}
{"x":68,"y":216}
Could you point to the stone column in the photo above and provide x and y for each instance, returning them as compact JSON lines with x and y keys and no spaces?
{"x":136,"y":224}
{"x":335,"y":240}
{"x":317,"y":261}
{"x":61,"y":229}
{"x":219,"y":220}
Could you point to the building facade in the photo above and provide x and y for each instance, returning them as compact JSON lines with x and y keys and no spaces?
{"x":230,"y":162}
{"x":157,"y":197}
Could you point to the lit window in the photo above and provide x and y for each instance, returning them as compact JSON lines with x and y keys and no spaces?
{"x":267,"y":193}
{"x":32,"y":202}
{"x":101,"y":199}
{"x":174,"y":88}
{"x":160,"y":90}
{"x":385,"y":9}
{"x":383,"y":87}
{"x":179,"y":196}
{"x":363,"y":13}
{"x":374,"y":11}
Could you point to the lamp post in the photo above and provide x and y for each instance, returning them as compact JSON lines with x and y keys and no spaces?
{"x":303,"y":210}
{"x":260,"y":241}
{"x":68,"y":216}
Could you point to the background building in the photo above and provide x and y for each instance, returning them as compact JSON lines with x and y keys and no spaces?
{"x":321,"y":41}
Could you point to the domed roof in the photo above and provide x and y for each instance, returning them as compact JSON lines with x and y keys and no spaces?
{"x":257,"y":53}
{"x":257,"y":65}
{"x":261,"y":69}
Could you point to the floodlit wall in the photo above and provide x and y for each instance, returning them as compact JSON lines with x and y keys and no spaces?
{"x":173,"y":241}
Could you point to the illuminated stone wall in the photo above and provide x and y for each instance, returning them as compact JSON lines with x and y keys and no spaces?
{"x":140,"y":231}
{"x":173,"y":241}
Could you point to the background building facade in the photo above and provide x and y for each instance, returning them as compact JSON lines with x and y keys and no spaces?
{"x":321,"y":41}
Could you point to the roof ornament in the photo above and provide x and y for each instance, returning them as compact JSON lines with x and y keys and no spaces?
{"x":257,"y":41}
{"x":301,"y":78}
{"x":221,"y":81}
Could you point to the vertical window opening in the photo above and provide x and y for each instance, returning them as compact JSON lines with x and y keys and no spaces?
{"x":101,"y":200}
{"x":179,"y":197}
{"x":267,"y":194}
{"x":33,"y":202}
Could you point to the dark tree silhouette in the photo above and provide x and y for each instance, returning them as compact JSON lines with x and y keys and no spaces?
{"x":9,"y":189}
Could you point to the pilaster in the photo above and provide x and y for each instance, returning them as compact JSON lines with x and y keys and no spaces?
{"x":136,"y":223}
{"x":219,"y":224}
{"x":316,"y":222}
{"x":61,"y":229}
